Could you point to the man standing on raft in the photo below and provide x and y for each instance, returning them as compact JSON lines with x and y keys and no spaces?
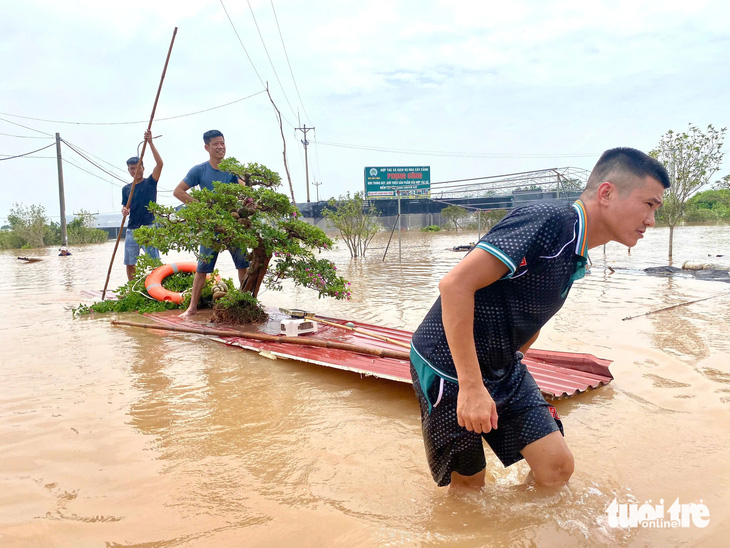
{"x":203,"y":176}
{"x":145,"y":191}
{"x":466,"y":356}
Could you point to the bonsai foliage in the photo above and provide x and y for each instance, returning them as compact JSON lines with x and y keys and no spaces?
{"x":356,"y":223}
{"x":253,"y":217}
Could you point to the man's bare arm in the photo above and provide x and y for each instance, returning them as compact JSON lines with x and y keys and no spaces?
{"x":158,"y":159}
{"x":181,"y":193}
{"x":476,"y":410}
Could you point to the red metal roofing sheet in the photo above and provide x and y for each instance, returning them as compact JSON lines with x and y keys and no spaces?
{"x":558,"y":374}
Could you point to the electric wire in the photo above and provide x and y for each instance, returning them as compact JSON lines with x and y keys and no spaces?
{"x":455,"y":154}
{"x":316,"y":156}
{"x":26,"y":153}
{"x":25,"y":136}
{"x":26,"y":127}
{"x":66,"y":161}
{"x":286,"y":54}
{"x":92,"y":162}
{"x":241,"y":42}
{"x":162,"y":190}
{"x":263,"y":43}
{"x":249,"y":58}
{"x":123,"y":123}
{"x":35,"y":157}
{"x":100,"y":159}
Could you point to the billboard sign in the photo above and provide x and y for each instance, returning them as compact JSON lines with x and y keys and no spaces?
{"x":390,"y":182}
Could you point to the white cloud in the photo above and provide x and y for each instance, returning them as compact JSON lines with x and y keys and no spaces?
{"x":516,"y":78}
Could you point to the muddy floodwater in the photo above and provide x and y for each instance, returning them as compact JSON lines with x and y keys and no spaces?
{"x":114,"y":437}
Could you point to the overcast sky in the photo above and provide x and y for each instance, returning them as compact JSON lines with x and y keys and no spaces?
{"x":470,"y":88}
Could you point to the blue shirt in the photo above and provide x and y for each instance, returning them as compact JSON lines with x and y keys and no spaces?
{"x":203,"y":176}
{"x":544,"y":247}
{"x":144,"y":192}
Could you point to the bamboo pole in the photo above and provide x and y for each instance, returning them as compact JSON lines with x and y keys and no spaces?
{"x":139,"y":164}
{"x":383,"y":353}
{"x":363,"y":332}
{"x":670,"y":307}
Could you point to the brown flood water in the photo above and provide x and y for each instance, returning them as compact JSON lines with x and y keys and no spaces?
{"x":121,"y":437}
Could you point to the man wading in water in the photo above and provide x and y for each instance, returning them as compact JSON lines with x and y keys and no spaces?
{"x":466,"y":356}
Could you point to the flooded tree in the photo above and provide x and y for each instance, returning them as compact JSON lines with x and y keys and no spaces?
{"x":29,"y":226}
{"x":454,"y":215}
{"x":356,"y":223}
{"x":692,"y":158}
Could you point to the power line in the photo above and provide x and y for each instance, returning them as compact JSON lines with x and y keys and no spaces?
{"x":249,"y":58}
{"x":123,"y":123}
{"x":241,"y":42}
{"x":269,"y":57}
{"x":92,"y":162}
{"x":288,"y":63}
{"x":26,"y":127}
{"x":100,"y":159}
{"x":74,"y":147}
{"x":456,"y":154}
{"x":25,"y":136}
{"x":89,"y":172}
{"x":27,"y":153}
{"x":316,"y":155}
{"x":35,"y":157}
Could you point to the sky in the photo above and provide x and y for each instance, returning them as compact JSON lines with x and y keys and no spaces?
{"x":469,"y":88}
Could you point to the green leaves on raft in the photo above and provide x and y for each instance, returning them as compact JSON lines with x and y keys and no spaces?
{"x":133,"y":297}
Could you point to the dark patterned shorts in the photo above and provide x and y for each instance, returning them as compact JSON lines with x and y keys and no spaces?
{"x":524,"y":417}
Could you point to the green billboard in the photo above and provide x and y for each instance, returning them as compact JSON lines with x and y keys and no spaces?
{"x":391,"y":182}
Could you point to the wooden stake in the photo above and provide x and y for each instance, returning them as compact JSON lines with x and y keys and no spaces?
{"x":139,"y":164}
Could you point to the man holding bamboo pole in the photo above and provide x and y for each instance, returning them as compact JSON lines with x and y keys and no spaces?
{"x":145,"y":192}
{"x":466,"y":356}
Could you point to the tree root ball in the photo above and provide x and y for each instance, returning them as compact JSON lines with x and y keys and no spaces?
{"x":238,"y":308}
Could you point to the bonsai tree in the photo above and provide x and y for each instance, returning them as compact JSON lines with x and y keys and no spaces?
{"x":253,"y":217}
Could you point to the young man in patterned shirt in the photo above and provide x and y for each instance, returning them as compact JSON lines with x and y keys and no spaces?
{"x":466,"y":356}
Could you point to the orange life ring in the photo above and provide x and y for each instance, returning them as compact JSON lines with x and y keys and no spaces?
{"x":153,"y":282}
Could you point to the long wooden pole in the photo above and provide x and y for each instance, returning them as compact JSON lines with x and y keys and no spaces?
{"x":363,"y":332}
{"x":139,"y":164}
{"x":383,"y":353}
{"x":673,"y":306}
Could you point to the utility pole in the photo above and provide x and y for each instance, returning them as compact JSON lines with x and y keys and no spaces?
{"x":304,"y":130}
{"x":61,"y":197}
{"x":316,"y":184}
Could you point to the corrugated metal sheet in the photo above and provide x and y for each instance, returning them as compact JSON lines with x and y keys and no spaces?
{"x":558,"y":374}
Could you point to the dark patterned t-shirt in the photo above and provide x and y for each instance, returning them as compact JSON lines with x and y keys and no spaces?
{"x":544,"y":247}
{"x":144,"y":192}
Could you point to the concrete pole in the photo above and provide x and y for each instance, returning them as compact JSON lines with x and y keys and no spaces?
{"x":61,"y":196}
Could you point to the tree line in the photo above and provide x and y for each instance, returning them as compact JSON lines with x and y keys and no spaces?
{"x":29,"y":227}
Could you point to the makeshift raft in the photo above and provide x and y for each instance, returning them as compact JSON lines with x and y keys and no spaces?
{"x":558,"y":374}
